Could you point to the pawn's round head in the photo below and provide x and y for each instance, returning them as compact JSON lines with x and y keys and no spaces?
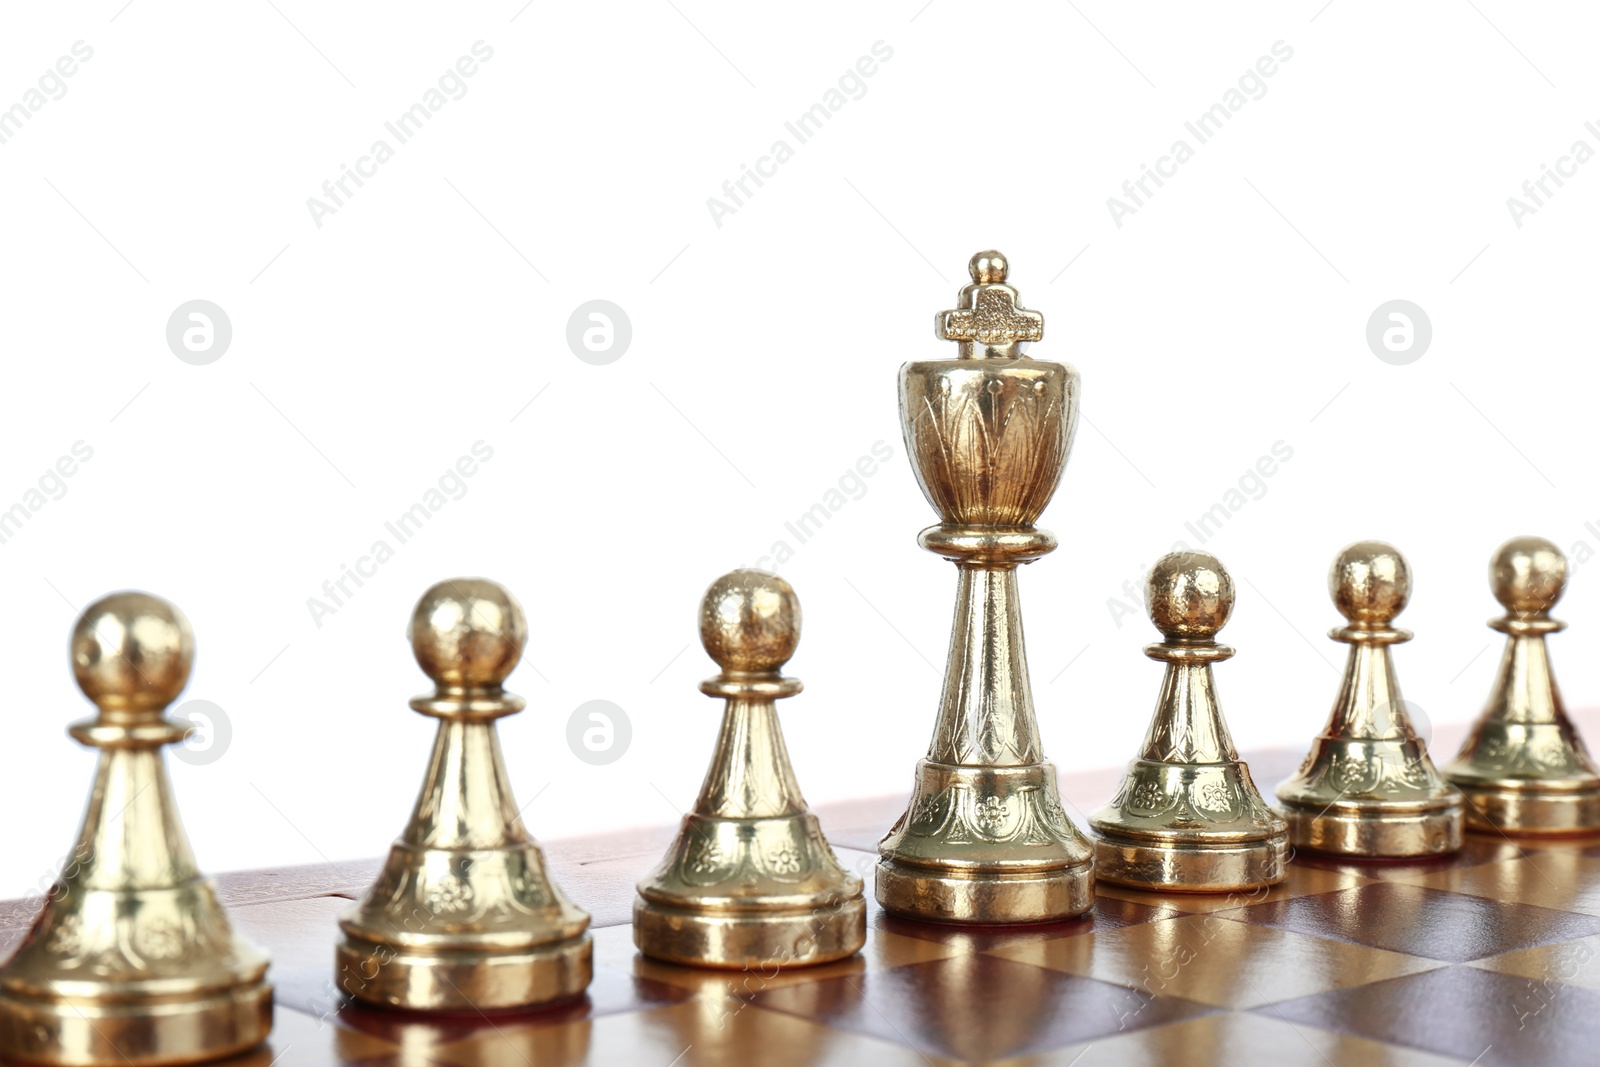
{"x":467,"y":632}
{"x":131,"y":653}
{"x":1528,"y":575}
{"x":750,"y":621}
{"x":1370,"y":582}
{"x":1189,"y":595}
{"x":988,"y":267}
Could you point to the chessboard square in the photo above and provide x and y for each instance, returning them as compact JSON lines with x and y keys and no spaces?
{"x":701,"y":1032}
{"x":348,"y":879}
{"x":1298,"y":881}
{"x":1567,"y":962}
{"x":1108,"y":913}
{"x":1476,"y":849}
{"x":1564,"y":880}
{"x":1214,"y":960}
{"x":297,"y":934}
{"x":1420,"y":921}
{"x":977,"y":1007}
{"x":611,"y":992}
{"x":1479,"y":1016}
{"x":615,"y":950}
{"x":1236,"y":1039}
{"x":299,"y":1040}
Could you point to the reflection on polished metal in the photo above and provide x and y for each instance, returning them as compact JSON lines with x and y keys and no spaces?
{"x":750,"y":881}
{"x":985,"y":839}
{"x":1524,"y":769}
{"x":1367,"y":787}
{"x":1188,"y":817}
{"x":463,"y":916}
{"x":132,"y":960}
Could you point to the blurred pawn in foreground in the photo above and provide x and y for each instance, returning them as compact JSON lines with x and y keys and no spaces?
{"x":132,"y":960}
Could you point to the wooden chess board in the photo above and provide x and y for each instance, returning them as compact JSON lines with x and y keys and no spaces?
{"x":1486,"y":957}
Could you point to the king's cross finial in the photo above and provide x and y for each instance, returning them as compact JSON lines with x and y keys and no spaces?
{"x":989,"y":322}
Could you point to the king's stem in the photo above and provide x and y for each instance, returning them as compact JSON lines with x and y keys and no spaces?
{"x":986,"y":711}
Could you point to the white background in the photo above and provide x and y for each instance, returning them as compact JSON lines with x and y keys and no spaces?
{"x":429,"y":313}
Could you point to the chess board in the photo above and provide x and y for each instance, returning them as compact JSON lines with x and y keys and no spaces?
{"x":1485,"y":957}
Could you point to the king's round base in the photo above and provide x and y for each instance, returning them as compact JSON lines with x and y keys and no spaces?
{"x":986,"y":897}
{"x":1378,"y":834}
{"x":89,"y":1032}
{"x":1520,"y":811}
{"x":750,"y":940}
{"x":463,"y":980}
{"x":1190,"y":866}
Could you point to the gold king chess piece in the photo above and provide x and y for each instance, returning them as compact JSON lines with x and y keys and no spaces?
{"x":750,"y":881}
{"x":985,"y":839}
{"x":1188,"y":817}
{"x":1367,"y":787}
{"x":463,"y":916}
{"x":132,"y":960}
{"x":1523,"y":768}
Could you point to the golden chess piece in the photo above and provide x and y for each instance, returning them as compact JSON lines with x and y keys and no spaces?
{"x":463,"y":916}
{"x":750,"y":882}
{"x":1523,"y":768}
{"x":1367,"y":787}
{"x":985,"y":839}
{"x":132,"y":960}
{"x":1188,"y":817}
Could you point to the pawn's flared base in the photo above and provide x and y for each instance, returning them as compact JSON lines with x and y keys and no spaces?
{"x":750,"y":940}
{"x":1520,"y":811}
{"x":1190,"y":866}
{"x":463,"y":980}
{"x":136,"y":1032}
{"x":967,"y":895}
{"x":1378,"y":834}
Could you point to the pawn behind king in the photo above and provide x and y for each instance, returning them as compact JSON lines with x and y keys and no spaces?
{"x":1188,"y":817}
{"x":1367,"y":787}
{"x":1524,"y":769}
{"x":132,"y":960}
{"x":750,"y":881}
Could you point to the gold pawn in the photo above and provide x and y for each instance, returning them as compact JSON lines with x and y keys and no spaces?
{"x":464,"y":916}
{"x":132,"y":960}
{"x":1367,"y":787}
{"x":1524,"y":769}
{"x":750,"y":881}
{"x":1188,"y":816}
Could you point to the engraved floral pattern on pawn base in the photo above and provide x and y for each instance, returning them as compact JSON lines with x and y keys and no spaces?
{"x":449,"y":896}
{"x":1150,"y":797}
{"x":990,"y":814}
{"x":1215,"y":796}
{"x":66,"y":939}
{"x":159,"y":939}
{"x":706,"y":857}
{"x":785,"y":859}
